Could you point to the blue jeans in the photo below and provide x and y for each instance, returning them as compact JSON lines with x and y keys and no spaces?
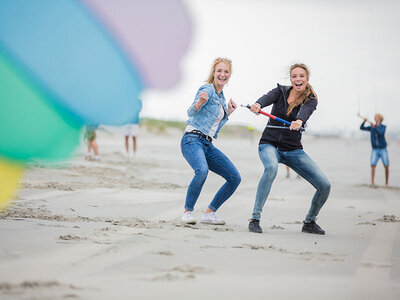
{"x":202,"y":156}
{"x":379,"y":153}
{"x":303,"y":165}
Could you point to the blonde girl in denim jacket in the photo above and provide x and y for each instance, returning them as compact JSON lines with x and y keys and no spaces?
{"x":208,"y":113}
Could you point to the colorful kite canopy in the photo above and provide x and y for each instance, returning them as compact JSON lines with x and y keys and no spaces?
{"x":67,"y":63}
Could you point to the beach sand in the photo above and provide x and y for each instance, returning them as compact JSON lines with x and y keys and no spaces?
{"x":110,"y":229}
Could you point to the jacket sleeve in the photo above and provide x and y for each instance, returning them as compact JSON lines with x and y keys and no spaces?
{"x":192,"y":110}
{"x":366,"y":128}
{"x":307,"y":109}
{"x":271,"y":97}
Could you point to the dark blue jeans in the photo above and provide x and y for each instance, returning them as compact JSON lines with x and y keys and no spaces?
{"x":203,"y":156}
{"x":303,"y":165}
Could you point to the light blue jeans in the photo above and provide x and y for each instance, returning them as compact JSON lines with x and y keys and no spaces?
{"x":303,"y":165}
{"x":203,"y":156}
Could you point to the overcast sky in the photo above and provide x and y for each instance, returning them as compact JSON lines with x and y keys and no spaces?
{"x":352,"y":48}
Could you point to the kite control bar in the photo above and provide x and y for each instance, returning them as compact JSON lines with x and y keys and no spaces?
{"x":274,"y":118}
{"x":364,"y":118}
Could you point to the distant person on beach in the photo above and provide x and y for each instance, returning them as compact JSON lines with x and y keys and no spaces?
{"x":90,"y":136}
{"x":378,"y":143}
{"x":208,"y":113}
{"x":294,"y":103}
{"x":130,"y":131}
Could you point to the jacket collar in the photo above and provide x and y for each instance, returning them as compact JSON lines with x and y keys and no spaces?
{"x":285,"y":89}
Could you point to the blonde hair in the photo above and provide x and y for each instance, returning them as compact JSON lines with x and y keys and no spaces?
{"x":218,"y":60}
{"x":307,"y":92}
{"x":380,"y":116}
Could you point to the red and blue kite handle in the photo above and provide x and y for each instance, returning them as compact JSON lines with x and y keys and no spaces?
{"x":274,"y":117}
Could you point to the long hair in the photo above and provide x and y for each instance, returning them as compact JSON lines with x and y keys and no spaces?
{"x":228,"y":62}
{"x":303,"y":97}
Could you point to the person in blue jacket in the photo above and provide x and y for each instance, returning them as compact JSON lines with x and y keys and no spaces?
{"x":378,"y":143}
{"x":295,"y":103}
{"x":207,"y":114}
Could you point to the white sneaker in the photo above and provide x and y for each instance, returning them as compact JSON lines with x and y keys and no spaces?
{"x":212,"y":218}
{"x":187,"y":218}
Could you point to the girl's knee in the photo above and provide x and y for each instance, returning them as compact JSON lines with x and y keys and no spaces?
{"x":270,"y":172}
{"x":236,"y":179}
{"x":325,"y":186}
{"x":201,"y":173}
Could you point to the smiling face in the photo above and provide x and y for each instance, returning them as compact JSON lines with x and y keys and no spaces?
{"x":222,"y":73}
{"x":299,"y":79}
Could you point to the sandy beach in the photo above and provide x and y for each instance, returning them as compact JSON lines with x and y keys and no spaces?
{"x":110,"y":229}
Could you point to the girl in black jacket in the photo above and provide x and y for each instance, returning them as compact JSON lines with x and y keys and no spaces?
{"x":294,"y":103}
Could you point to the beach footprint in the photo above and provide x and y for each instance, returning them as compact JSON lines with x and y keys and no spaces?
{"x":182,"y":272}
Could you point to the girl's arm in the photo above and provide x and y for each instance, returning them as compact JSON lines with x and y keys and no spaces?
{"x":271,"y":97}
{"x":306,"y":110}
{"x":202,"y":96}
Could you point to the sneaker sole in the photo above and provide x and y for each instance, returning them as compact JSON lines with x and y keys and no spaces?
{"x":192,"y":222}
{"x":255,"y":231}
{"x":319,"y":233}
{"x":212,"y":223}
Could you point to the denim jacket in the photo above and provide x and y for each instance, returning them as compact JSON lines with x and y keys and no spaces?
{"x":378,"y":140}
{"x":204,"y":118}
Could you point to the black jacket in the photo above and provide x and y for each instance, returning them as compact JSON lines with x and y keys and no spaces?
{"x":284,"y":139}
